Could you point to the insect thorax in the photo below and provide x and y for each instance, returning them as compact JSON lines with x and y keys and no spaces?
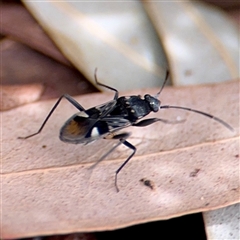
{"x":131,"y":108}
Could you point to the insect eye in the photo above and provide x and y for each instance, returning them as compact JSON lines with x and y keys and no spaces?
{"x":154,"y":103}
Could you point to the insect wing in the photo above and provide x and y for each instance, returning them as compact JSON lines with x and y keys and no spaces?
{"x":87,"y":126}
{"x":116,"y":123}
{"x":103,"y":110}
{"x":76,"y":128}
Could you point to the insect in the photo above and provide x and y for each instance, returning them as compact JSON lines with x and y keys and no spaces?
{"x":105,"y":120}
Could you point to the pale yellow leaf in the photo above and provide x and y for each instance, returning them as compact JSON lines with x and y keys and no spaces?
{"x":200,"y":41}
{"x":116,"y":37}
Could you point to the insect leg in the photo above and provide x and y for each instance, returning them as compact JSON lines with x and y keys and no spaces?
{"x":103,"y":85}
{"x":149,"y":121}
{"x":104,"y":156}
{"x":129,"y":145}
{"x":70,"y":99}
{"x":121,"y":135}
{"x":202,"y":113}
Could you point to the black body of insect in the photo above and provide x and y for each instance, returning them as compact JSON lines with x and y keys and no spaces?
{"x":104,"y":121}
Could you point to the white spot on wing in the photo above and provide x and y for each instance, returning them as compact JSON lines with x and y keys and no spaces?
{"x":95,"y":132}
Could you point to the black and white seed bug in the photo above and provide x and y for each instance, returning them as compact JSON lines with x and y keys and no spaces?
{"x":105,"y":120}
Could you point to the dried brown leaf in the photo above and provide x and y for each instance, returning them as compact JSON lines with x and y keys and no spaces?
{"x":22,"y":65}
{"x":18,"y":23}
{"x":47,"y":186}
{"x":17,"y":95}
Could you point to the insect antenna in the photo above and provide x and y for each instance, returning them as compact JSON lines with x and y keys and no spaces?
{"x":202,"y":113}
{"x":106,"y":86}
{"x":192,"y":110}
{"x":164,"y":83}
